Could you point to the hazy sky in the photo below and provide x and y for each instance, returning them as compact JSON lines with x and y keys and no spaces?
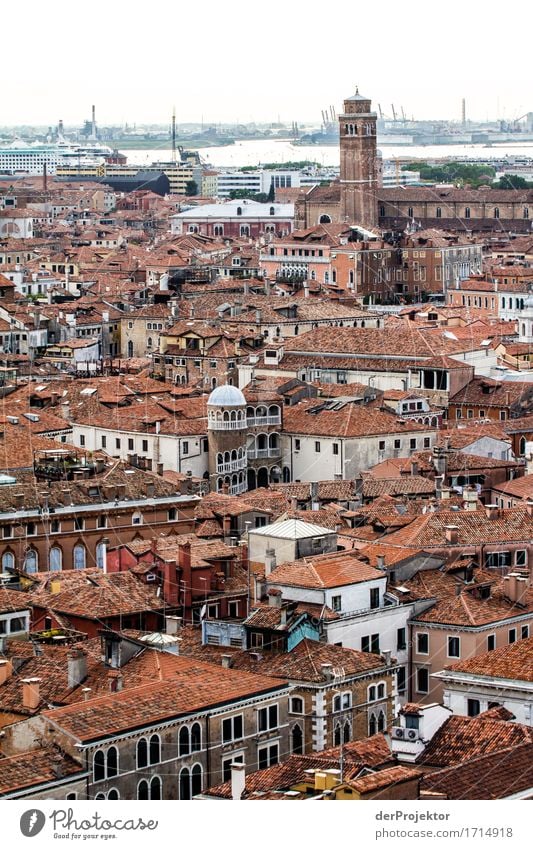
{"x":238,"y":60}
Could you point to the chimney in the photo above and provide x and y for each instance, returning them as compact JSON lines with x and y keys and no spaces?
{"x":293,"y":502}
{"x":470,"y":498}
{"x":30,"y":693}
{"x":521,"y":591}
{"x":6,"y":671}
{"x":76,"y":667}
{"x":173,"y":625}
{"x":184,"y":556}
{"x":258,"y":316}
{"x":380,"y":561}
{"x":227,"y":661}
{"x":313,"y":491}
{"x":270,"y":561}
{"x":492,"y":511}
{"x":274,"y":598}
{"x":86,"y":693}
{"x":55,"y":586}
{"x":238,"y":781}
{"x":452,"y":534}
{"x":327,"y":671}
{"x":529,"y":508}
{"x":283,"y":616}
{"x":414,"y":468}
{"x":445,"y":493}
{"x":20,"y":497}
{"x":226,"y":526}
{"x":510,"y":586}
{"x":387,"y":655}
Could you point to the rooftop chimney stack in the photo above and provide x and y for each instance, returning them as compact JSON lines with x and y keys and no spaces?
{"x":238,"y":781}
{"x":31,"y":696}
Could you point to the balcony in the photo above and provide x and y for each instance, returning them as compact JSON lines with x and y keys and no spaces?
{"x":263,"y":453}
{"x":227,"y":425}
{"x":232,"y":466}
{"x":260,"y":421}
{"x":238,"y":488}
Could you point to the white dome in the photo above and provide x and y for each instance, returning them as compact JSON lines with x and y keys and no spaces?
{"x":226,"y":396}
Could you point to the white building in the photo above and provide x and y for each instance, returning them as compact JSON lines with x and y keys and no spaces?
{"x":503,"y":677}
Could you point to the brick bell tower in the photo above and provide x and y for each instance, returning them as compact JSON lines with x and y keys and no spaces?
{"x":358,"y":162}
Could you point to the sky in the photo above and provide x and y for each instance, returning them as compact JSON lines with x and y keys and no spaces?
{"x":243,"y":61}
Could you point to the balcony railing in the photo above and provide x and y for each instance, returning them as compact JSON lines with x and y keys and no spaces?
{"x":263,"y":453}
{"x":237,"y":488}
{"x":263,"y":420}
{"x":232,"y":466}
{"x":221,"y":425}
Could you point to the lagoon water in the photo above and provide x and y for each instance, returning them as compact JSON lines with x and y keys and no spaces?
{"x":283,"y":150}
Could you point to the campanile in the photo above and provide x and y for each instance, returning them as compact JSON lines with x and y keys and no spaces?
{"x":358,"y":162}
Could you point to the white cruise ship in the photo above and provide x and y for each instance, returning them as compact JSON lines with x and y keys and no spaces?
{"x":23,"y":158}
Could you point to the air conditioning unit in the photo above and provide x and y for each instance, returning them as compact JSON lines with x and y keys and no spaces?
{"x":398,"y":733}
{"x":151,"y":577}
{"x":412,"y":734}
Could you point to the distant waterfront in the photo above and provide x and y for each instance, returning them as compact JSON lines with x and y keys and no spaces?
{"x":257,"y":152}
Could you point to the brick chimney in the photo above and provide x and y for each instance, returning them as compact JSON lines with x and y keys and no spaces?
{"x":76,"y":667}
{"x":184,"y":556}
{"x":227,"y":661}
{"x":492,"y":511}
{"x":452,"y":534}
{"x":31,"y":696}
{"x":114,"y":680}
{"x":173,"y":625}
{"x":6,"y":671}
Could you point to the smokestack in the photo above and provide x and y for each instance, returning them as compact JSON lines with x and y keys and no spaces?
{"x":93,"y":127}
{"x":174,"y":135}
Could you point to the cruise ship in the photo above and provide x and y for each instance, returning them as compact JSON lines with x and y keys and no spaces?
{"x":23,"y":158}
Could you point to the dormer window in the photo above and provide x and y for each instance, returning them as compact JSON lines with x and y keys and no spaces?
{"x":239,"y":210}
{"x":272,"y":211}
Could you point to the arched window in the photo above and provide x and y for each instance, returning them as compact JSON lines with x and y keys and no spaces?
{"x":31,"y":561}
{"x":184,"y":745}
{"x":79,"y":556}
{"x":196,"y":780}
{"x":155,"y":788}
{"x":99,"y":796}
{"x":142,"y":790}
{"x":297,"y":705}
{"x":155,"y":749}
{"x":347,"y":733}
{"x":372,"y":694}
{"x":522,"y":446}
{"x":100,"y":555}
{"x":324,"y":219}
{"x":272,"y":211}
{"x":56,"y":559}
{"x":525,"y":212}
{"x":496,"y":212}
{"x":149,"y":342}
{"x":297,"y":741}
{"x":130,"y":348}
{"x":337,"y":736}
{"x":239,"y":210}
{"x":196,"y":737}
{"x":381,"y":691}
{"x":381,"y":721}
{"x":142,"y":753}
{"x":113,"y":794}
{"x":112,"y":762}
{"x":467,"y":212}
{"x":8,"y":560}
{"x":98,"y":766}
{"x":371,"y":725}
{"x":185,"y":784}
